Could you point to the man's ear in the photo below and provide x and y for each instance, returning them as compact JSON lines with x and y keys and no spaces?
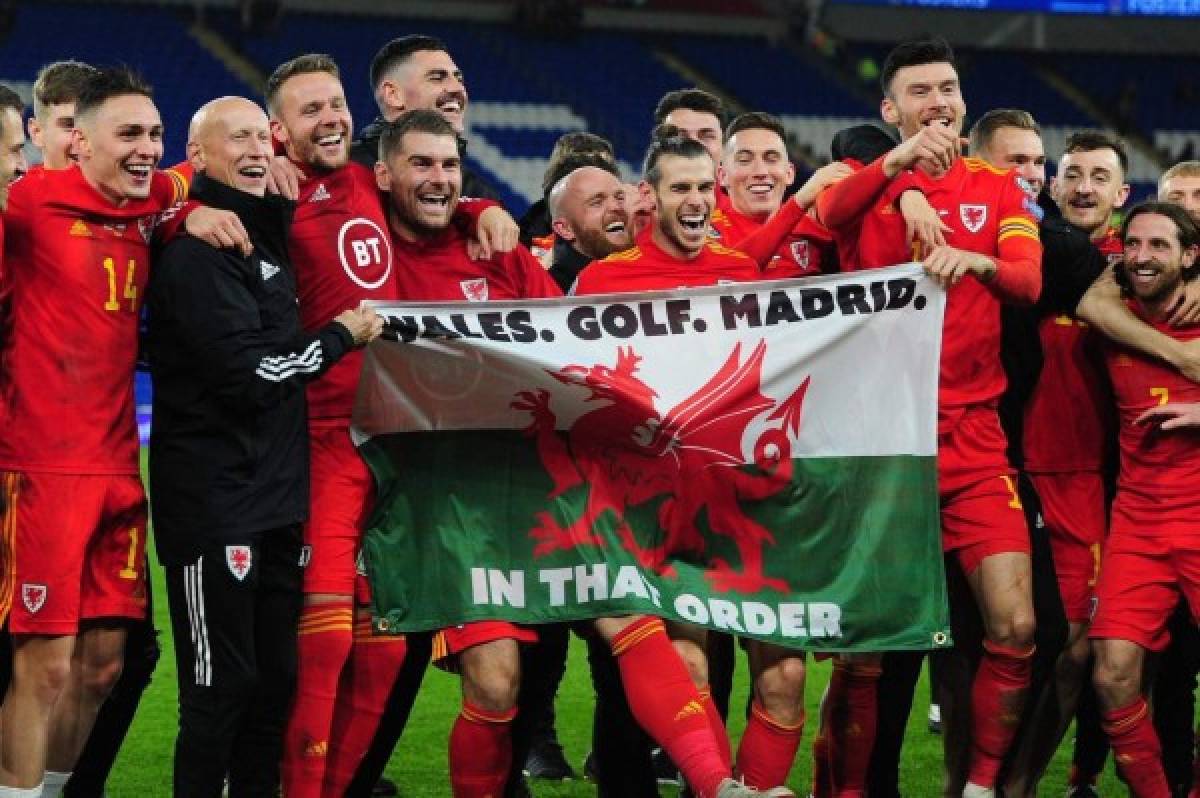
{"x":390,"y":97}
{"x":1189,"y":256}
{"x":383,"y":178}
{"x":34,"y":128}
{"x":562,"y":229}
{"x":887,"y":109}
{"x":80,"y":144}
{"x":1122,"y":196}
{"x":278,"y":132}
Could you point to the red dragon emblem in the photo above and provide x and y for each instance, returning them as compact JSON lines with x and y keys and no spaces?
{"x":627,"y":453}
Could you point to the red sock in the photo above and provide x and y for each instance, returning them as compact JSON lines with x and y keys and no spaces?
{"x":480,"y":752}
{"x":767,"y":750}
{"x":366,"y":682}
{"x":997,"y":698}
{"x":323,"y":644}
{"x":1136,"y":749}
{"x":825,"y":747}
{"x":855,"y":730}
{"x":718,"y":727}
{"x":665,"y":702}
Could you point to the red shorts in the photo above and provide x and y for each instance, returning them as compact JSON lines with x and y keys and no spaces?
{"x":79,"y":550}
{"x":342,"y":494}
{"x":981,"y":511}
{"x":1074,"y":512}
{"x":1139,"y":586}
{"x":452,"y":641}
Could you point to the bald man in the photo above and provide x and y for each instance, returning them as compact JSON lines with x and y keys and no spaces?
{"x":589,"y":217}
{"x":229,"y":459}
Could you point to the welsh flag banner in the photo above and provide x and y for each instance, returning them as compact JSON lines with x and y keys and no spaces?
{"x":756,"y":458}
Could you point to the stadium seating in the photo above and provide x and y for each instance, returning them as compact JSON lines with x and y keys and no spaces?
{"x":153,"y":40}
{"x":527,"y":89}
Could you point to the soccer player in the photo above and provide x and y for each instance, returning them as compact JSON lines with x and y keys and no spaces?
{"x":417,"y":72}
{"x":343,"y":255}
{"x":992,"y":254}
{"x":589,"y":217}
{"x":676,"y":251}
{"x":230,"y":363}
{"x":79,"y":573}
{"x":1181,"y":185}
{"x":341,"y":252}
{"x":51,"y":127}
{"x":1067,"y":423}
{"x":536,"y":232}
{"x":420,"y":169}
{"x":755,"y":171}
{"x":1151,"y":550}
{"x":697,"y":115}
{"x":12,"y":144}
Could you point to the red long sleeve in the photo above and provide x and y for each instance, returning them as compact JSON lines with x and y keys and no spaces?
{"x":843,"y":203}
{"x":763,"y":244}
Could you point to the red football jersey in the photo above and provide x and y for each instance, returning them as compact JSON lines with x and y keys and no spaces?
{"x":802,"y":251}
{"x":1069,"y":417}
{"x":342,"y":253}
{"x":988,"y":213}
{"x":76,"y":269}
{"x":438,"y":269}
{"x":646,"y":267}
{"x":1158,"y":491}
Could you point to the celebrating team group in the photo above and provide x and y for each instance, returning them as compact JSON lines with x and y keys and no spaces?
{"x":240,"y":276}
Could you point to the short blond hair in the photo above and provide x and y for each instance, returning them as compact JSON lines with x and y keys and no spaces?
{"x":1181,"y":169}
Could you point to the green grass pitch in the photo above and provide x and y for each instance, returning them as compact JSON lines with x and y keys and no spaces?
{"x":419,"y":763}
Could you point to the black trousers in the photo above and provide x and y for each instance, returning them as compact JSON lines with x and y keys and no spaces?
{"x":1174,"y":698}
{"x":543,"y":665}
{"x":234,"y":613}
{"x":620,"y":748}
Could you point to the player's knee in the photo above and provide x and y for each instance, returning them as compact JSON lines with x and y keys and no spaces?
{"x":97,"y":679}
{"x":780,"y":690}
{"x":1116,"y":681}
{"x":493,"y":686}
{"x":1017,"y":630}
{"x":1075,"y":657}
{"x":51,"y":675}
{"x":694,"y":660}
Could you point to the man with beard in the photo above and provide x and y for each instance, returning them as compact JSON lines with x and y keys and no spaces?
{"x":1150,"y":556}
{"x":342,"y":254}
{"x":992,"y":254}
{"x":419,"y":167}
{"x":588,"y":215}
{"x":412,"y":73}
{"x":676,"y":251}
{"x":681,"y":174}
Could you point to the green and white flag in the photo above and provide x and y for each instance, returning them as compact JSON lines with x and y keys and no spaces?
{"x":756,"y":458}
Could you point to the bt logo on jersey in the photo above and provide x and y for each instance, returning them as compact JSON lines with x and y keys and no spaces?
{"x":366,"y":253}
